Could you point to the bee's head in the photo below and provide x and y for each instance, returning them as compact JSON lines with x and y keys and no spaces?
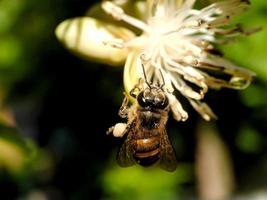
{"x":153,"y":97}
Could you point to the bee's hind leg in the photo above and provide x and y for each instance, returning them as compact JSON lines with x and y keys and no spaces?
{"x":118,"y":130}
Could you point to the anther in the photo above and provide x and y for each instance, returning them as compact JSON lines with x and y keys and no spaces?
{"x":117,"y":13}
{"x":113,"y":10}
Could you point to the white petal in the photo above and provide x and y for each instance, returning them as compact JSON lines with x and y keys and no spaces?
{"x":132,"y":71}
{"x":161,"y":7}
{"x":85,"y":37}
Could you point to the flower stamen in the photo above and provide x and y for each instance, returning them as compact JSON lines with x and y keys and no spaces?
{"x":175,"y":47}
{"x":118,"y":13}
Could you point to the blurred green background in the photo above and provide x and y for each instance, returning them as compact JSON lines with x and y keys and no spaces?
{"x":55,"y":109}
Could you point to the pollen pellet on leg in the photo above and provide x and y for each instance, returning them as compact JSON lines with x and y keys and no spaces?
{"x":119,"y":129}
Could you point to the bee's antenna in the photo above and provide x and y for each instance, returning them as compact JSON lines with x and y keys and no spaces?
{"x":143,"y":68}
{"x":163,"y":80}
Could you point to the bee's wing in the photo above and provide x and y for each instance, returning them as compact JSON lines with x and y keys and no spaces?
{"x":168,"y":160}
{"x":125,"y":155}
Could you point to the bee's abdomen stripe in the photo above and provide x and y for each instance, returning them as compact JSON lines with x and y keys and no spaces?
{"x":148,"y":144}
{"x":147,"y":151}
{"x":143,"y":155}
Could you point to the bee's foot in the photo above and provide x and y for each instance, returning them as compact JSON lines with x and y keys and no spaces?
{"x":110,"y":130}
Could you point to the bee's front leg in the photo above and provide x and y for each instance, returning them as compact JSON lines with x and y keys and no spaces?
{"x":123,"y":112}
{"x":118,"y":130}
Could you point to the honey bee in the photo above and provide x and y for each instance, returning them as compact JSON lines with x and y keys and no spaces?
{"x":146,"y":140}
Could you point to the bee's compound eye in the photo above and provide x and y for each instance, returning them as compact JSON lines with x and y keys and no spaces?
{"x":146,"y":98}
{"x":149,"y":96}
{"x":141,"y":99}
{"x":159,"y":98}
{"x":161,"y":101}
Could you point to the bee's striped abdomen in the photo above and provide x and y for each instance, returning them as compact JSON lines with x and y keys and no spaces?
{"x":147,"y":150}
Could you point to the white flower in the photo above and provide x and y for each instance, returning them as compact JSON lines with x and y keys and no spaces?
{"x":175,"y":40}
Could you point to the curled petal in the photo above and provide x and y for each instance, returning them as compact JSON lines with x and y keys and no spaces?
{"x":86,"y":36}
{"x":240,"y":78}
{"x":233,"y":83}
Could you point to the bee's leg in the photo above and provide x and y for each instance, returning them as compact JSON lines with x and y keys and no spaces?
{"x":123,"y":112}
{"x":118,"y":130}
{"x":137,"y":88}
{"x":110,"y":130}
